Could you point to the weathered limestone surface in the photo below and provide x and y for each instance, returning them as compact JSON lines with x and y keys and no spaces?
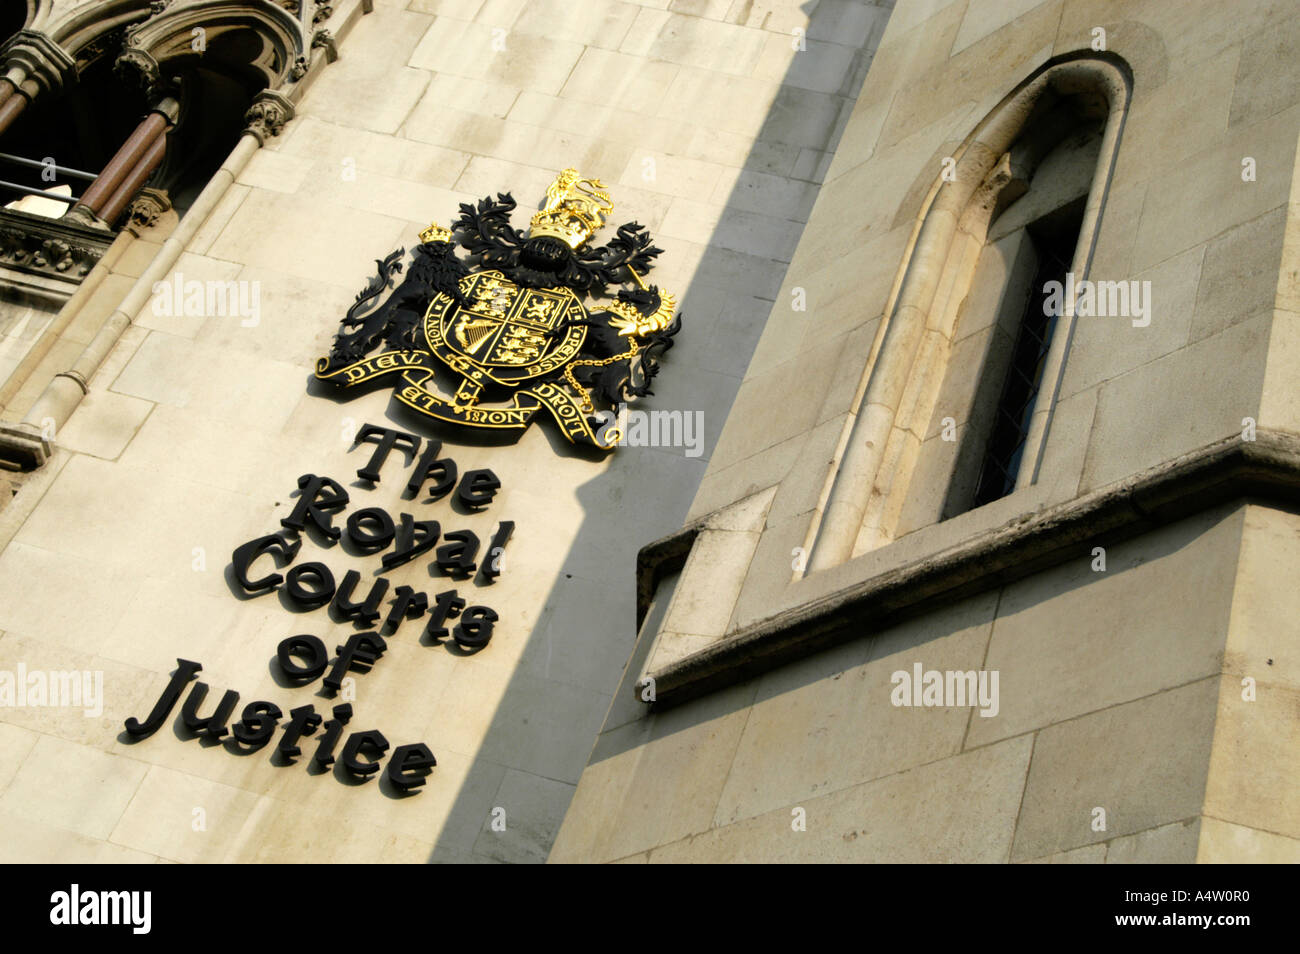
{"x":1122,"y":407}
{"x":1161,"y":748}
{"x":1121,"y":670}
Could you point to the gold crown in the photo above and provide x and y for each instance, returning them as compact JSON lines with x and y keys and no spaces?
{"x":435,"y":233}
{"x":575,"y":209}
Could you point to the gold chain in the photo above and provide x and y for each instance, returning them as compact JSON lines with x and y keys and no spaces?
{"x":587,"y":407}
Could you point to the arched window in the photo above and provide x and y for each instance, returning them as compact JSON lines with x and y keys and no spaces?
{"x":110,"y":114}
{"x":1037,"y":232}
{"x":127,"y":93}
{"x":965,"y":368}
{"x":115,"y":102}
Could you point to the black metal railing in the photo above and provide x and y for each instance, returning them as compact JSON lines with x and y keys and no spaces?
{"x":20,"y":189}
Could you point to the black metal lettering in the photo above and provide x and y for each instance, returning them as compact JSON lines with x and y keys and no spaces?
{"x":242,"y":560}
{"x":385,"y":438}
{"x":185,"y":670}
{"x":319,"y":498}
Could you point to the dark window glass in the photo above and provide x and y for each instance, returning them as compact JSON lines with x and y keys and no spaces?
{"x":1054,"y":244}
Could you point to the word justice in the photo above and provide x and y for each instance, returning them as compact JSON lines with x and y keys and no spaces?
{"x":407,"y":767}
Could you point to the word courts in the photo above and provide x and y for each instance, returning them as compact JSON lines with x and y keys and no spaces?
{"x":373,"y":530}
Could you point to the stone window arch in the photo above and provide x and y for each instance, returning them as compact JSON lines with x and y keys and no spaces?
{"x":75,"y":85}
{"x":1009,"y":194}
{"x":213,"y":80}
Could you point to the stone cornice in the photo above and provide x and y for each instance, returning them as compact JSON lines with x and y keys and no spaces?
{"x":656,"y":560}
{"x":59,"y":249}
{"x":268,"y":114}
{"x":1267,"y":469}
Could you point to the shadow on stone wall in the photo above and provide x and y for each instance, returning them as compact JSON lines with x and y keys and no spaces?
{"x":557,"y":699}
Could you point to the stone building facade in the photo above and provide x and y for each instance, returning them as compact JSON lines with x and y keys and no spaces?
{"x":1092,"y":501}
{"x":272,"y":152}
{"x":930,"y":468}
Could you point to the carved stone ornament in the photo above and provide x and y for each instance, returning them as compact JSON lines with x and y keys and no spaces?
{"x":40,"y":59}
{"x":49,"y":247}
{"x":268,"y":114}
{"x":324,"y":39}
{"x":109,"y":43}
{"x":146,"y":208}
{"x":136,"y":66}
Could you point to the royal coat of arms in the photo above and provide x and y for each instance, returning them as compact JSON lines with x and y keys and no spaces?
{"x":489,"y":340}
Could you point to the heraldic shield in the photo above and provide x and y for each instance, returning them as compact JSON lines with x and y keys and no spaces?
{"x":488,"y":341}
